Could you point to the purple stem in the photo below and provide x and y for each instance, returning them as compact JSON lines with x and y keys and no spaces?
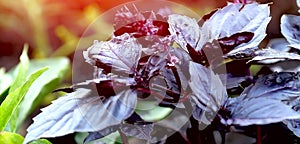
{"x":258,"y":135}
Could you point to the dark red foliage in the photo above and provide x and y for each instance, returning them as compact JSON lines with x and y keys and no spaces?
{"x":144,"y":28}
{"x":229,"y":43}
{"x":206,"y":17}
{"x":106,"y":68}
{"x":149,"y":75}
{"x":149,"y":24}
{"x":109,"y":88}
{"x":210,"y":54}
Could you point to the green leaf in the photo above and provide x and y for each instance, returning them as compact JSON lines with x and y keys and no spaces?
{"x":45,"y":84}
{"x":254,"y":69}
{"x":22,"y":70}
{"x":40,"y":141}
{"x":15,"y":77}
{"x":5,"y":81}
{"x":20,"y":78}
{"x":113,"y":138}
{"x":151,"y":112}
{"x":10,"y":138}
{"x":14,"y":98}
{"x":80,"y":136}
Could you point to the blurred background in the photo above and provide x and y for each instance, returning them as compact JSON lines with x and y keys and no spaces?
{"x":53,"y":27}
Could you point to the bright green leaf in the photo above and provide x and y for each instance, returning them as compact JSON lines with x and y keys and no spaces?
{"x":254,"y":69}
{"x":22,"y":70}
{"x":20,"y":78}
{"x":40,"y":141}
{"x":15,"y":77}
{"x":10,"y":104}
{"x":10,"y":138}
{"x":113,"y":138}
{"x":151,"y":112}
{"x":44,"y":85}
{"x":80,"y":136}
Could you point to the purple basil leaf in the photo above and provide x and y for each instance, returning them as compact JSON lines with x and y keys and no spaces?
{"x":296,"y":46}
{"x":151,"y":67}
{"x":127,"y":15}
{"x":208,"y":93}
{"x":139,"y":24}
{"x":81,"y":112}
{"x":120,"y":54}
{"x":210,"y":54}
{"x":279,"y":44}
{"x":163,"y":76}
{"x":100,"y":134}
{"x":138,"y":131}
{"x":186,"y":30}
{"x":294,"y":125}
{"x":271,"y":56}
{"x":247,"y":31}
{"x":279,"y":86}
{"x":243,"y":54}
{"x":183,"y":66}
{"x":260,"y":111}
{"x":173,"y":85}
{"x":236,"y":18}
{"x":267,"y":101}
{"x":290,"y":28}
{"x":298,"y":3}
{"x":233,"y":81}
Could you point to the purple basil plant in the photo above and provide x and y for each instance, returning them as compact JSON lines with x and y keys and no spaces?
{"x":198,"y":72}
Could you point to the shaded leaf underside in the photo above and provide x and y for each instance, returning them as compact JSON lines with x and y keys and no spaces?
{"x":81,"y":112}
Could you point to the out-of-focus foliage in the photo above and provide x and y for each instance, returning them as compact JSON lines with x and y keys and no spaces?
{"x":54,"y":27}
{"x":20,"y":95}
{"x":10,"y":138}
{"x":10,"y":104}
